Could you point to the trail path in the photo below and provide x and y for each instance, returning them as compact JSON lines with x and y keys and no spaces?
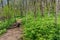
{"x":12,"y":34}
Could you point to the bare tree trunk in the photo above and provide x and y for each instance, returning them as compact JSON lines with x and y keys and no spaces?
{"x":2,"y":3}
{"x":49,"y":7}
{"x":56,"y":11}
{"x":22,"y":8}
{"x":41,"y":8}
{"x":35,"y":8}
{"x":8,"y":3}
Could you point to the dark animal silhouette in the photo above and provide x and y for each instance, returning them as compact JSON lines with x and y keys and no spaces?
{"x":17,"y":23}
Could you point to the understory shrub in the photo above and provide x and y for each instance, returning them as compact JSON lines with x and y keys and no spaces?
{"x":6,"y":24}
{"x":3,"y":31}
{"x":41,"y":29}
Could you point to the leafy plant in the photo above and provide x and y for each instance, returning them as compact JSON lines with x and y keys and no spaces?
{"x":41,"y":29}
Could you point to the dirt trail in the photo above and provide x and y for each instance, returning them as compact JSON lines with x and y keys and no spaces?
{"x":12,"y":34}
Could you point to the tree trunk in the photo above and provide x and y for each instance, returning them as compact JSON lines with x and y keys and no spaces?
{"x":56,"y":11}
{"x":41,"y":8}
{"x":2,"y":3}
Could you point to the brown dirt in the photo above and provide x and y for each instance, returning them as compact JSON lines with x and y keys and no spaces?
{"x":12,"y":34}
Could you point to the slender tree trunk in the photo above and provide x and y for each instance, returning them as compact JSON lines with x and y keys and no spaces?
{"x":2,"y":3}
{"x":41,"y":8}
{"x":35,"y":8}
{"x":8,"y":3}
{"x":56,"y":11}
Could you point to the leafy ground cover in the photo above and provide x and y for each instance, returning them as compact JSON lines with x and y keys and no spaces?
{"x":41,"y":28}
{"x":5,"y":25}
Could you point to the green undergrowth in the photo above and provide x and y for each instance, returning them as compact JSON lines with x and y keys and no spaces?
{"x":4,"y":25}
{"x":41,"y":28}
{"x":3,"y":31}
{"x":12,"y":14}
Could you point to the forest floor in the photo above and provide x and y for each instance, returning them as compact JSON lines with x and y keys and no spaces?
{"x":12,"y":34}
